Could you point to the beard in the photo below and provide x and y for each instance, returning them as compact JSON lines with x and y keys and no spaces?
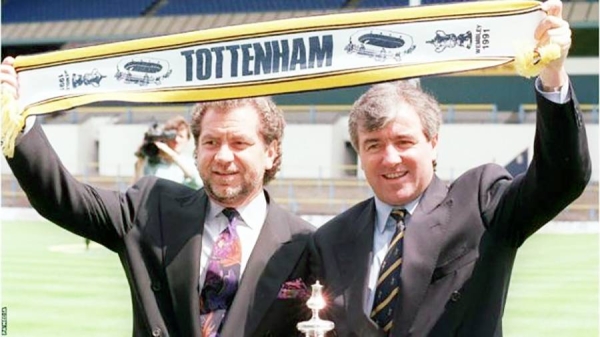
{"x":232,"y":195}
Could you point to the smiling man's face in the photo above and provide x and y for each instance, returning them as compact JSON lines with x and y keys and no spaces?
{"x":232,"y":156}
{"x":397,"y":159}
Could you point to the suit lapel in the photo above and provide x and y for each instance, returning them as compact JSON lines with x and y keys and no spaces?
{"x":354,"y":255}
{"x":182,"y":220}
{"x":422,"y":245}
{"x":267,"y":269}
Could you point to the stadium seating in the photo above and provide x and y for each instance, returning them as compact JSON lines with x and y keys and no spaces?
{"x":382,"y":3}
{"x":74,"y":20}
{"x":308,"y":196}
{"x":311,"y":114}
{"x":179,"y":7}
{"x":31,"y":11}
{"x":304,"y":114}
{"x":14,"y":11}
{"x":590,"y":112}
{"x":430,"y":2}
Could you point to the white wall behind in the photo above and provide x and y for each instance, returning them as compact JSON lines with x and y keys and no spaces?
{"x":461,"y":147}
{"x":66,"y":141}
{"x":308,"y":151}
{"x":117,"y":145}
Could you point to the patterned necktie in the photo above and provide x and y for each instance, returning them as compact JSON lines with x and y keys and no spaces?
{"x":388,"y":282}
{"x":222,"y":277}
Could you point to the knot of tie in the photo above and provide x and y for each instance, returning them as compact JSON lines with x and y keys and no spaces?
{"x":230,"y":213}
{"x":398,"y":214}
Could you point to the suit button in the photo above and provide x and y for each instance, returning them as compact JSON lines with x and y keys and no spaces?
{"x":157,"y":332}
{"x":156,"y":286}
{"x":455,"y":297}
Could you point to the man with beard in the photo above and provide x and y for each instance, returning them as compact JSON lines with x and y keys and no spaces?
{"x":224,"y":260}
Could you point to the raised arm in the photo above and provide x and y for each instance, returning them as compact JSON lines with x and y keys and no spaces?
{"x":561,"y":165}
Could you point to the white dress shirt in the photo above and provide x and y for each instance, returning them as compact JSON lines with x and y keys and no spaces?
{"x":248,"y":228}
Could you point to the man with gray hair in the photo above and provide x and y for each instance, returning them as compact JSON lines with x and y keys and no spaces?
{"x":424,"y":259}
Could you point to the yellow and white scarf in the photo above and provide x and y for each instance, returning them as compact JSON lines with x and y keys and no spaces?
{"x":284,"y":56}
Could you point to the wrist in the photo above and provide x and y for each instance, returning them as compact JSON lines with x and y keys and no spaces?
{"x":553,"y":81}
{"x":546,"y":88}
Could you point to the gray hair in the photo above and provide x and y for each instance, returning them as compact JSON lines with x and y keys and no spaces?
{"x":375,"y":108}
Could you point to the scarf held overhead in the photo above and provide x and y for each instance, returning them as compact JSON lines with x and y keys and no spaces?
{"x":285,"y":56}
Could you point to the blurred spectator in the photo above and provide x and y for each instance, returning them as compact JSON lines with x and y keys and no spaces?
{"x":161,"y":154}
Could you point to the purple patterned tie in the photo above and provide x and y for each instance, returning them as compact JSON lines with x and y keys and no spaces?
{"x":222,"y":277}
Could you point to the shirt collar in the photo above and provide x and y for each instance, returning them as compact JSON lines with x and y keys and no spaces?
{"x":253,"y":214}
{"x":383,"y":211}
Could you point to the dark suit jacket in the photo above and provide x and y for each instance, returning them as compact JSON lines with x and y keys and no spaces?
{"x":461,"y":241}
{"x":156,"y":229}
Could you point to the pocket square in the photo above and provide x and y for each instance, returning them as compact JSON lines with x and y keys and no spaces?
{"x":294,"y":289}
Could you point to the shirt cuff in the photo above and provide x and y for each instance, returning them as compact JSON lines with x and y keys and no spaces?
{"x":559,"y":97}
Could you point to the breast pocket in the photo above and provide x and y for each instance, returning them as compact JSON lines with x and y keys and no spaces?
{"x":465,"y":259}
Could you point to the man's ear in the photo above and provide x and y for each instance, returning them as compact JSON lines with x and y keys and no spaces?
{"x":270,"y":154}
{"x":434,"y":141}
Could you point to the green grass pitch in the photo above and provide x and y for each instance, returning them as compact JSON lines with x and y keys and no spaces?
{"x":52,"y":286}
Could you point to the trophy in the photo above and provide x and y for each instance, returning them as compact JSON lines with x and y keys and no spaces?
{"x":315,"y":327}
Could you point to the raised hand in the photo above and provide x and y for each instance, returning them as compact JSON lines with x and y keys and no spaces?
{"x":8,"y":77}
{"x":554,"y":29}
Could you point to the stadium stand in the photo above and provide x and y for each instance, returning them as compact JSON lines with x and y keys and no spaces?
{"x":69,"y":23}
{"x":18,"y":11}
{"x":39,"y":10}
{"x":581,"y":11}
{"x":307,"y":196}
{"x":181,"y":7}
{"x":306,"y":114}
{"x":430,"y":2}
{"x":590,"y":112}
{"x":38,"y":22}
{"x":313,"y":114}
{"x":381,"y":3}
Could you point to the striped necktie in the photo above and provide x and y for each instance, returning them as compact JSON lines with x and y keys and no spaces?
{"x":388,"y":282}
{"x":222,"y":277}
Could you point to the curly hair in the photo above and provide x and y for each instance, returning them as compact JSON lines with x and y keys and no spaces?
{"x":272,"y":124}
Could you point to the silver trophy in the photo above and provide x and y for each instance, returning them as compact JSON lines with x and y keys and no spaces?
{"x":315,"y":327}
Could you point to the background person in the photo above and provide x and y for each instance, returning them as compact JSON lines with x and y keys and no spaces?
{"x":165,"y":158}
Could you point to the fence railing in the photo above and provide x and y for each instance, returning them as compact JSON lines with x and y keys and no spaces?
{"x":307,"y":196}
{"x":452,"y":113}
{"x":590,"y":110}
